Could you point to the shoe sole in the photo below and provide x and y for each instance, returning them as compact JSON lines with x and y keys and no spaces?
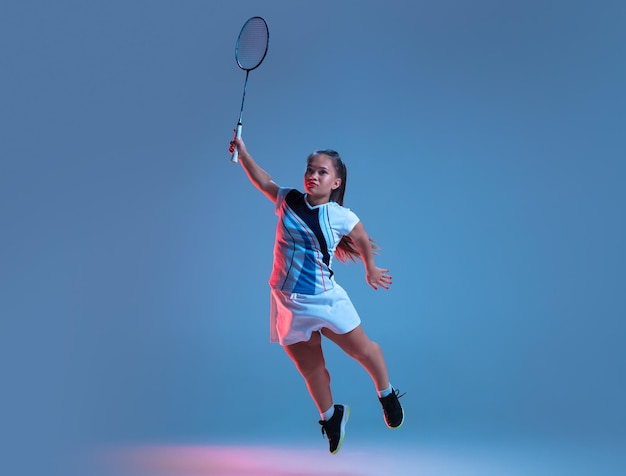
{"x":344,"y":421}
{"x":396,"y":427}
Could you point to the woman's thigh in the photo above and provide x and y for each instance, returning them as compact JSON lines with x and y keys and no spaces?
{"x":352,"y":343}
{"x":307,"y":355}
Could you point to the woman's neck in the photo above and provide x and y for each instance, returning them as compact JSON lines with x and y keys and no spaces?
{"x":316,"y":201}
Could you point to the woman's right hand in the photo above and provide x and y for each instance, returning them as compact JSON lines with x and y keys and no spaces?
{"x":238,"y":143}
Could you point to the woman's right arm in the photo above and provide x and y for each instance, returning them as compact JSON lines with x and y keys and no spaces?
{"x":259,"y":177}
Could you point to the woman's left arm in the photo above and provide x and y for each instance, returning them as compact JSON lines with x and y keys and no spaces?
{"x":374,"y":275}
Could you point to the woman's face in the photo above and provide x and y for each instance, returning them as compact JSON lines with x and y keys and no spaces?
{"x":320,"y":178}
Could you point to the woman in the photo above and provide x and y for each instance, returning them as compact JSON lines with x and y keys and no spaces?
{"x":306,"y":302}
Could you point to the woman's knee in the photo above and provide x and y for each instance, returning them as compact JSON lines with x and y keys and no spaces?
{"x":366,"y":351}
{"x":312,"y":371}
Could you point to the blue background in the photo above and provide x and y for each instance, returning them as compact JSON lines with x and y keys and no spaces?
{"x":485,"y":149}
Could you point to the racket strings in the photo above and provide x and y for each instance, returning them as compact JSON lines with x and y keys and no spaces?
{"x":252,"y":44}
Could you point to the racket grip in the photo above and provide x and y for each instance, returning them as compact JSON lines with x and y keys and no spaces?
{"x":235,"y":157}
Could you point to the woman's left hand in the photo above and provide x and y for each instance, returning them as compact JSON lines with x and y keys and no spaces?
{"x":379,"y":277}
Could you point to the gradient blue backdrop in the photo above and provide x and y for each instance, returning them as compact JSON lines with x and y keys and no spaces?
{"x":485,"y":149}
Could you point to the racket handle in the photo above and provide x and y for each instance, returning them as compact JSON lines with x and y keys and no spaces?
{"x":235,"y":158}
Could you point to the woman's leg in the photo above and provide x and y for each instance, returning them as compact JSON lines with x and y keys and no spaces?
{"x":368,"y":353}
{"x":310,"y":362}
{"x":365,"y":351}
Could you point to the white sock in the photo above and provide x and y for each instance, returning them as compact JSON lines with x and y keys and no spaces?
{"x":328,"y":414}
{"x":384,"y":392}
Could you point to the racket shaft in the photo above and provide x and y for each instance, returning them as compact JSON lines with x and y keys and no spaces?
{"x":235,"y":158}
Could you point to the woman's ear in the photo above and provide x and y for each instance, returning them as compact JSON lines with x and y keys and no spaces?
{"x":336,"y":184}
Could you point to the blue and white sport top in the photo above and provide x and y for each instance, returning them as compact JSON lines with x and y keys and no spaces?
{"x":306,"y":239}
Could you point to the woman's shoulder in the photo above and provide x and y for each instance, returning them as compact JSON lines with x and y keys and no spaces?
{"x":284,"y":191}
{"x":337,"y":206}
{"x":341,"y":210}
{"x":289,"y":196}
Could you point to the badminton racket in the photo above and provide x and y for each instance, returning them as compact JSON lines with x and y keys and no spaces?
{"x":250,"y":52}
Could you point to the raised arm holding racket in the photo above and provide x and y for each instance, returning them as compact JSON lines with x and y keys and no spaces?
{"x":250,"y":52}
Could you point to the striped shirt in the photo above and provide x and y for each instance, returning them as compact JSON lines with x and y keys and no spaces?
{"x":306,"y":239}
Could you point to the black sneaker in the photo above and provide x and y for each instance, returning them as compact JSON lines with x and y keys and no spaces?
{"x":394,"y":416}
{"x":335,"y":428}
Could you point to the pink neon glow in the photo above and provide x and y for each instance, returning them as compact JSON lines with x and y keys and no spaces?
{"x":495,"y":459}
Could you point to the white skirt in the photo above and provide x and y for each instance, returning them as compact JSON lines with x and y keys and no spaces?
{"x":294,"y":317}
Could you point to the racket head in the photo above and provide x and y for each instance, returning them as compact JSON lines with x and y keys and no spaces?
{"x":252,"y":44}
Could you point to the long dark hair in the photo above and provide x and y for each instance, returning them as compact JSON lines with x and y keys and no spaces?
{"x":346,"y":251}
